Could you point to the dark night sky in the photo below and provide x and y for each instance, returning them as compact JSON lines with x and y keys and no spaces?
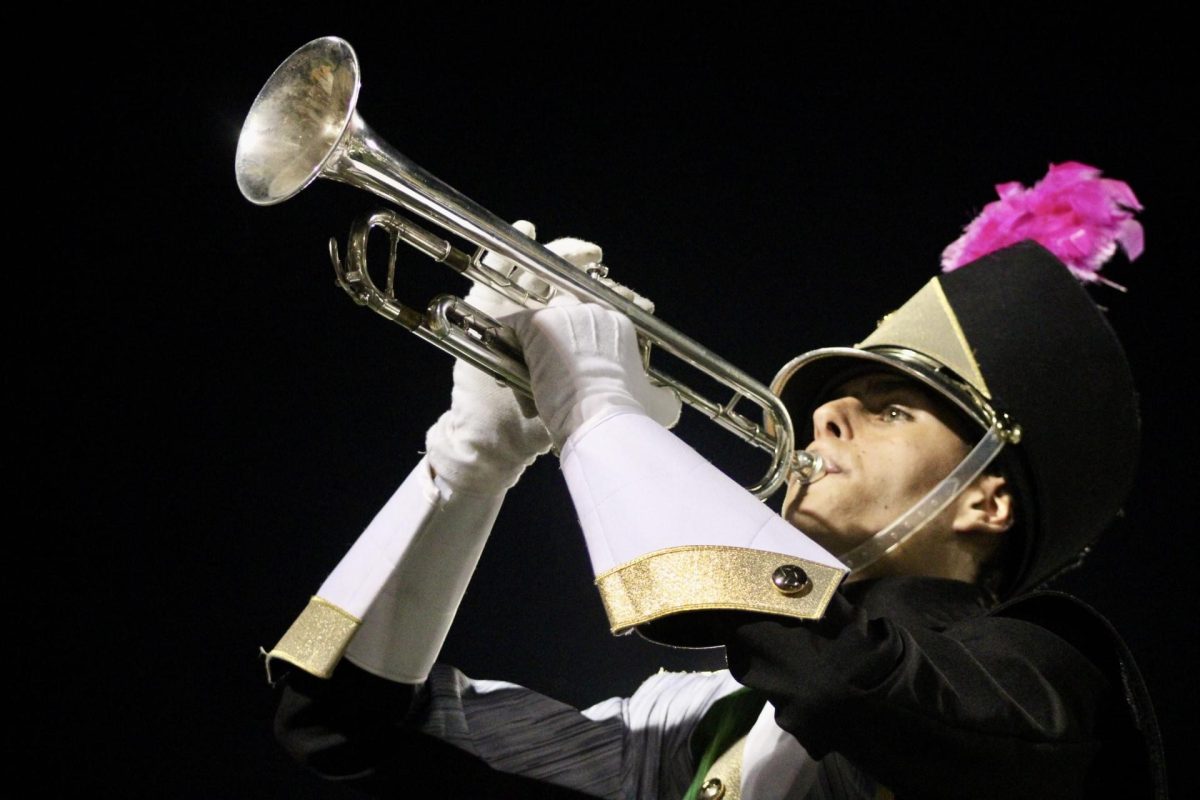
{"x":223,"y":421}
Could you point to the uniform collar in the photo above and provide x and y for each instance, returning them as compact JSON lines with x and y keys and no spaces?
{"x":934,"y":603}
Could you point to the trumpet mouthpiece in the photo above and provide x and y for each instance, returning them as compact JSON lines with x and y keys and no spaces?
{"x":808,"y":467}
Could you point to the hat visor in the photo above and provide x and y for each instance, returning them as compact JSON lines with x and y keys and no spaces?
{"x":808,"y":379}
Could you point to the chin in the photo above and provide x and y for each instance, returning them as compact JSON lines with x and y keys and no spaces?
{"x":816,"y":529}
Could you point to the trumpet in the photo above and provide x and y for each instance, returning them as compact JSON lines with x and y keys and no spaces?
{"x":303,"y":125}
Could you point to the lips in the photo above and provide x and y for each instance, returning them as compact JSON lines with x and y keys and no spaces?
{"x":831,"y":465}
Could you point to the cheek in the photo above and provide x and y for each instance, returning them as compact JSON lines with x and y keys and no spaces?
{"x":790,"y":499}
{"x":922,"y":472}
{"x":893,"y":479}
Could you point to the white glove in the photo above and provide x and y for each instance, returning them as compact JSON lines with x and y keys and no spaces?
{"x":654,"y":513}
{"x":585,"y":366}
{"x":428,"y":539}
{"x":490,"y":435}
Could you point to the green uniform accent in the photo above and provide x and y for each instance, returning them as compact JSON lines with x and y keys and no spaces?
{"x":728,"y":720}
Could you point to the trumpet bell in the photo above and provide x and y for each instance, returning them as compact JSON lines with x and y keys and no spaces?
{"x":303,"y":126}
{"x":298,"y":121}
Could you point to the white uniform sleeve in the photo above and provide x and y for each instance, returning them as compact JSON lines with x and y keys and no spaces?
{"x":672,"y":538}
{"x":427,"y":540}
{"x":638,"y":488}
{"x":388,"y":604}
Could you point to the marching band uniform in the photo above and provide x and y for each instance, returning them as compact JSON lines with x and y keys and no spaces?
{"x":908,"y":677}
{"x":901,"y":686}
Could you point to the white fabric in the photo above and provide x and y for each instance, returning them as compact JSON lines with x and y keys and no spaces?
{"x":407,"y":572}
{"x":358,"y":578}
{"x":636,"y":747}
{"x":584,"y":365}
{"x":637,"y":489}
{"x":774,"y":765}
{"x":489,"y":436}
{"x":484,"y":442}
{"x":659,"y":720}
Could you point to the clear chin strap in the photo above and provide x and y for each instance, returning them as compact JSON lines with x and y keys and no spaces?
{"x":928,"y":506}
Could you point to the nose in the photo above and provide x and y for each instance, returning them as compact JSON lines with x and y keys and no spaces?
{"x":833,"y":419}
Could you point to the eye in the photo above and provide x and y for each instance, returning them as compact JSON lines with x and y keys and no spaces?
{"x":895,"y":414}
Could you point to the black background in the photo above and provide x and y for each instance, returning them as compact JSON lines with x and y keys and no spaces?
{"x":212,"y":422}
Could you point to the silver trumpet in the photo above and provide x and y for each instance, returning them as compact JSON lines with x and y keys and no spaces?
{"x":303,"y":126}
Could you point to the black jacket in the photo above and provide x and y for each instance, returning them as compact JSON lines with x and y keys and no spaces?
{"x":915,"y":681}
{"x":933,"y":694}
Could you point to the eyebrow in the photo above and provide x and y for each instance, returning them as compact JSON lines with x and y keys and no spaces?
{"x":883,"y":384}
{"x":889,"y":383}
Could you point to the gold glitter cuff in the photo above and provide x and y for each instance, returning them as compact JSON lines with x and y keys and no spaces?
{"x":316,"y":640}
{"x":714,"y":577}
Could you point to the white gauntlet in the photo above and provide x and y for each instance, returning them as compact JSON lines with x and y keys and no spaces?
{"x":407,"y":623}
{"x":389,"y":603}
{"x":666,"y":531}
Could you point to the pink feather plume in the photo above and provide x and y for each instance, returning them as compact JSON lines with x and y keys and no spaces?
{"x":1072,"y":212}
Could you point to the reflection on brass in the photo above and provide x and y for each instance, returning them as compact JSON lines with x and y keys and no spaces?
{"x":304,"y":125}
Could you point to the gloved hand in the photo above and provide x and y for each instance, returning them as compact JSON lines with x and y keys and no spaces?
{"x":405,"y":576}
{"x":585,"y":366}
{"x":490,"y":435}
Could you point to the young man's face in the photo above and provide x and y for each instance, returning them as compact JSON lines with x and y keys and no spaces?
{"x":886,"y":441}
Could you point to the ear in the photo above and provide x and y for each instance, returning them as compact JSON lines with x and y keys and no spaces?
{"x":986,"y":506}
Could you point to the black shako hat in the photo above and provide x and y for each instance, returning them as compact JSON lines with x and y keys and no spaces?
{"x":1013,"y":336}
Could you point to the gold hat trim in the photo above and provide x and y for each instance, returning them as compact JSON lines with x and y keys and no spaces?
{"x":927,"y":324}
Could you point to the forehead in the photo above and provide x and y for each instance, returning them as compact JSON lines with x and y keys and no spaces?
{"x":877,"y":381}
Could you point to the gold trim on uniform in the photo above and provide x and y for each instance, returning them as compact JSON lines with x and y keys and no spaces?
{"x":711,"y":577}
{"x":316,"y":640}
{"x":723,"y":781}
